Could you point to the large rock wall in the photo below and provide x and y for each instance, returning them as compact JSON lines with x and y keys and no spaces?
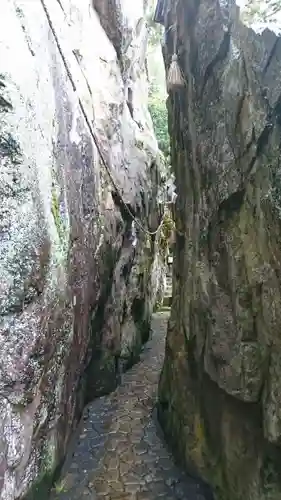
{"x":219,"y":400}
{"x":75,"y":276}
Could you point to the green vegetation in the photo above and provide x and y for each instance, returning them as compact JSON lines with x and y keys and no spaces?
{"x":260,"y":10}
{"x":60,"y":486}
{"x":168,"y":226}
{"x":158,"y":111}
{"x":157,"y":89}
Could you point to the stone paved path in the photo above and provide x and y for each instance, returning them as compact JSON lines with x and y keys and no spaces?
{"x":120,"y":454}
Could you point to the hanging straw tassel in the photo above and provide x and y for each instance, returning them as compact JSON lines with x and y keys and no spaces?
{"x":175,"y":79}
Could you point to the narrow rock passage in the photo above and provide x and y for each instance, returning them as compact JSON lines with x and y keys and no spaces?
{"x":120,"y":454}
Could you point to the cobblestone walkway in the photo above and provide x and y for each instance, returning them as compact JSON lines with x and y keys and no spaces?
{"x":120,"y":454}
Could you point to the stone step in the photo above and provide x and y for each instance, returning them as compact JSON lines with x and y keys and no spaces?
{"x":167,"y":301}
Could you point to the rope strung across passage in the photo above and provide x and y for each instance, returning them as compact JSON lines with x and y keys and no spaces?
{"x":92,"y":132}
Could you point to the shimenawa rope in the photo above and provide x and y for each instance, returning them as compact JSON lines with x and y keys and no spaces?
{"x":92,"y":132}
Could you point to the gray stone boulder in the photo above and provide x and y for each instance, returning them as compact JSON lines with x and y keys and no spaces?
{"x":219,"y":398}
{"x":74,"y":291}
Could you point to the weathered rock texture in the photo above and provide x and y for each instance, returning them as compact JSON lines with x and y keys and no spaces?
{"x":75,"y":293}
{"x":220,"y":399}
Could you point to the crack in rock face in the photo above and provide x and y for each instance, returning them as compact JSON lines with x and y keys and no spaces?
{"x":219,"y":398}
